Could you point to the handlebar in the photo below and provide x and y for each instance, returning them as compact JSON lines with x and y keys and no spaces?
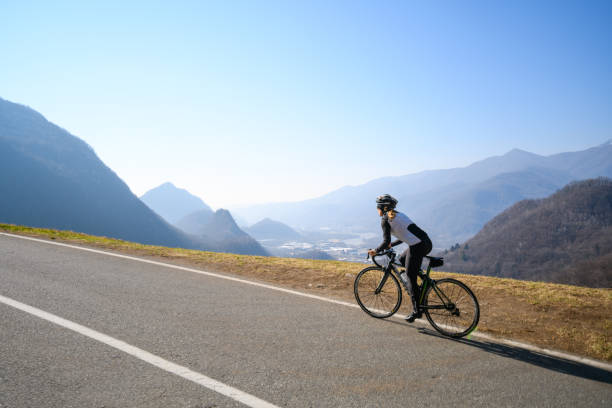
{"x":389,"y":252}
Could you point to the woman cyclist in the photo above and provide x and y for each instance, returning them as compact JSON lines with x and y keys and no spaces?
{"x":405,"y":230}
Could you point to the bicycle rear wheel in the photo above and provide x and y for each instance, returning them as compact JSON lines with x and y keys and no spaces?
{"x":451,"y":308}
{"x":382,"y":303}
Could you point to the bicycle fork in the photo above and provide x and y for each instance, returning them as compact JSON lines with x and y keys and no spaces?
{"x":383,"y":281}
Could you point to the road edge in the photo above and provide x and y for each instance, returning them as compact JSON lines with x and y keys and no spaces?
{"x":549,"y":352}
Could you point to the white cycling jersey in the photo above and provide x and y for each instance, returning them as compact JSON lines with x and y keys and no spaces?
{"x":399,"y":228}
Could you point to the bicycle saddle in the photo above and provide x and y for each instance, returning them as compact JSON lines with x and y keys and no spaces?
{"x":435,"y":261}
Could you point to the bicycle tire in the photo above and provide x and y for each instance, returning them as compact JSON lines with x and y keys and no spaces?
{"x":457,"y":318}
{"x":389,"y":299}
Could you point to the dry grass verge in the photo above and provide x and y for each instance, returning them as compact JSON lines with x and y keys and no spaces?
{"x":562,"y":317}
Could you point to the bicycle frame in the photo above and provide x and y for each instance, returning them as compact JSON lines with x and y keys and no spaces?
{"x":427,"y":281}
{"x":390,"y":267}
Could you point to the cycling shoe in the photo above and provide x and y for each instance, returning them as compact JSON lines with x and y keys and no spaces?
{"x":413,"y":316}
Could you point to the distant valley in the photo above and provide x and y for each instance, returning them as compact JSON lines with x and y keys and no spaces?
{"x":220,"y":231}
{"x":50,"y":178}
{"x":452,"y":205}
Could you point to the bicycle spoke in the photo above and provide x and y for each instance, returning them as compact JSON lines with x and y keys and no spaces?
{"x":459,"y":296}
{"x":375,"y":303}
{"x":458,"y":320}
{"x":384,"y":303}
{"x":381,"y":304}
{"x":368,"y":295}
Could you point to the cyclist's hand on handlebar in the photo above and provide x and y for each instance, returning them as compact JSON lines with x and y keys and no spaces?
{"x":371,"y":252}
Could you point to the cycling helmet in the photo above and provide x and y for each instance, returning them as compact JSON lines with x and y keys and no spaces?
{"x":385,"y":201}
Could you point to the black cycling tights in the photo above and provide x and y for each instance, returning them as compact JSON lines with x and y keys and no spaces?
{"x":412,"y":258}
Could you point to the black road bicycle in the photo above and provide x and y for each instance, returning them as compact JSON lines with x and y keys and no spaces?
{"x":449,"y":305}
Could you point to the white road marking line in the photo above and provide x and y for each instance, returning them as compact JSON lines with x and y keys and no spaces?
{"x":513,"y":343}
{"x":181,"y":371}
{"x":183,"y":268}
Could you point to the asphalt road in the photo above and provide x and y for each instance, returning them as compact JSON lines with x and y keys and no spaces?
{"x":287,"y":350}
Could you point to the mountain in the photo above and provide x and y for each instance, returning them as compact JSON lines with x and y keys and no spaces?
{"x":451,"y":204}
{"x":565,"y":238}
{"x":216,"y":231}
{"x":173,"y":203}
{"x":50,"y":178}
{"x":195,"y":222}
{"x":268,"y":229}
{"x":456,"y":215}
{"x":221,"y":224}
{"x":221,"y":233}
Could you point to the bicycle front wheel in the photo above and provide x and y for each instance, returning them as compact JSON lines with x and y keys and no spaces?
{"x":376,"y":300}
{"x":451,"y":308}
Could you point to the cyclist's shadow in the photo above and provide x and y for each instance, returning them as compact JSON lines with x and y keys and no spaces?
{"x":532,"y":357}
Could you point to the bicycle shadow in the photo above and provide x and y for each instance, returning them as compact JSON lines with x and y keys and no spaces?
{"x":557,"y":364}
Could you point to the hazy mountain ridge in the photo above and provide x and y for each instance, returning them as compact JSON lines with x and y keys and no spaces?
{"x":451,"y":204}
{"x":275,"y":230}
{"x":50,"y":178}
{"x":173,"y":203}
{"x":565,"y":238}
{"x":195,"y":222}
{"x":220,"y":232}
{"x":457,"y":214}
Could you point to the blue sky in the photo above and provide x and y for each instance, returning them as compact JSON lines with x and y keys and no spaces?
{"x":257,"y":101}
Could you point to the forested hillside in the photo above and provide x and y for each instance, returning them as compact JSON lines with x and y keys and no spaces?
{"x":565,"y":238}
